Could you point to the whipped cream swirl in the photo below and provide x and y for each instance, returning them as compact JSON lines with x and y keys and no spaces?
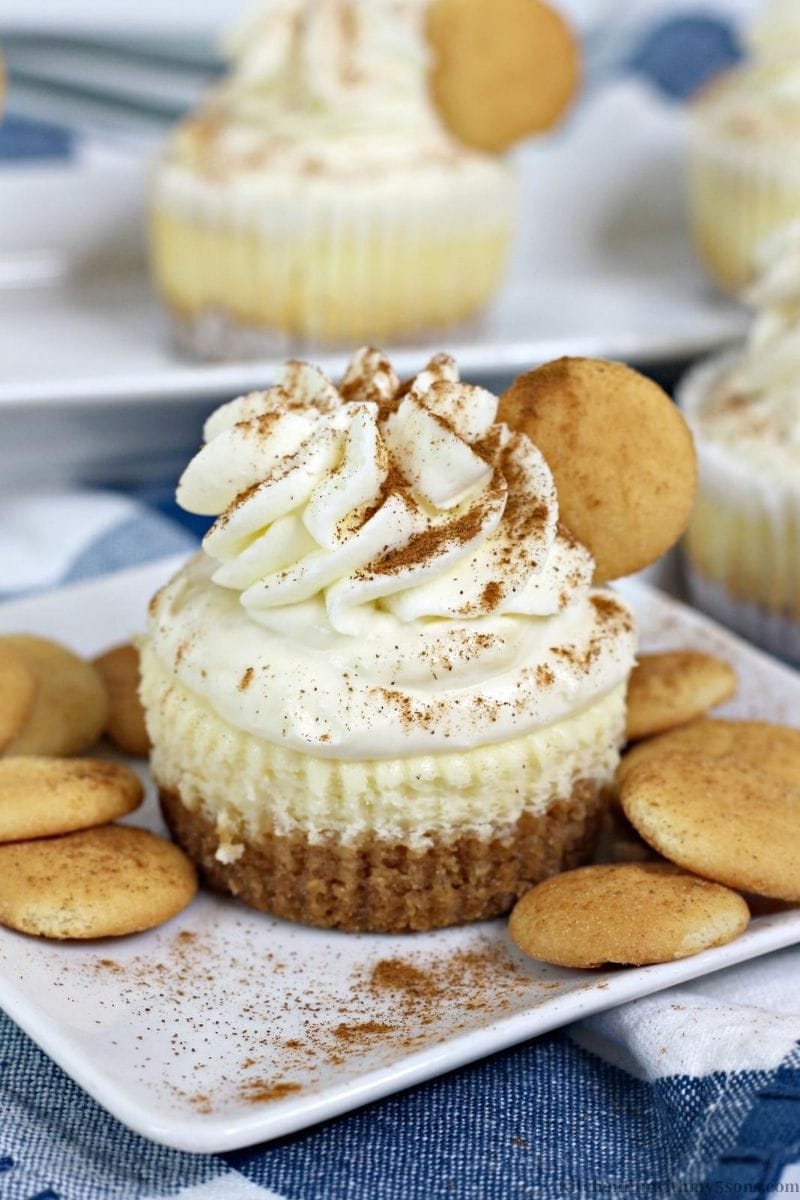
{"x":327,"y":88}
{"x":380,"y":499}
{"x":347,"y":64}
{"x":387,"y":575}
{"x":755,"y":407}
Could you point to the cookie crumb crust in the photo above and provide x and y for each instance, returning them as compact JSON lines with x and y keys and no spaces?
{"x":383,"y":886}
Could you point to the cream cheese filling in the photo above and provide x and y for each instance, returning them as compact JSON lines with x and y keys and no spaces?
{"x":251,"y":787}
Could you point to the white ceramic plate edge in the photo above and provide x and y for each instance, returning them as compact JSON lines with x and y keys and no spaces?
{"x":595,"y":993}
{"x":189,"y":383}
{"x":212,"y":1135}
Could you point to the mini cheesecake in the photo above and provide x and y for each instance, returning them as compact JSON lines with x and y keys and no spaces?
{"x":385,"y":696}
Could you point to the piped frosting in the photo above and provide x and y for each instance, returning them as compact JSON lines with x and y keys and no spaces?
{"x":387,"y":574}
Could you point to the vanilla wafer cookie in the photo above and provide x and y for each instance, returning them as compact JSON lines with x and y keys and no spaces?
{"x":720,"y":818}
{"x":119,"y":668}
{"x":620,"y":452}
{"x":102,"y":882}
{"x":70,"y":704}
{"x":665,"y":690}
{"x":500,"y":71}
{"x":17,"y":691}
{"x":43,"y":797}
{"x":774,"y":749}
{"x":630,"y":913}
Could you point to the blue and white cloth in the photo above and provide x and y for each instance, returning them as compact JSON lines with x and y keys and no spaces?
{"x":694,"y":1092}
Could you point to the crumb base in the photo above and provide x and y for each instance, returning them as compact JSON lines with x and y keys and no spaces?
{"x":380,"y":886}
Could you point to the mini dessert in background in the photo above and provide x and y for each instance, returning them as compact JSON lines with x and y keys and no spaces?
{"x":670,"y":689}
{"x":319,"y":194}
{"x":744,"y":169}
{"x":626,"y":913}
{"x":742,"y":547}
{"x":386,"y":695}
{"x":775,"y":32}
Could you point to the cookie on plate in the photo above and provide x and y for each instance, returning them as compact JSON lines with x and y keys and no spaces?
{"x":631,"y":913}
{"x":119,"y":668}
{"x":720,"y":818}
{"x":774,"y":749}
{"x":102,"y":882}
{"x":317,"y":194}
{"x":42,"y":797}
{"x":17,"y":691}
{"x":669,"y":689}
{"x":70,"y":706}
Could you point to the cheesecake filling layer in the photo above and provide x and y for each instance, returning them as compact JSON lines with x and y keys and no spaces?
{"x":250,"y":788}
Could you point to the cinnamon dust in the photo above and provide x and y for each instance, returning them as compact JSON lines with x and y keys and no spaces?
{"x":261,"y":1091}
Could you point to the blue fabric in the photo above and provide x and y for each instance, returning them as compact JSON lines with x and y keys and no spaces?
{"x":140,"y":539}
{"x":545,"y":1120}
{"x":23,"y":139}
{"x":162,"y":499}
{"x":55,"y":1140}
{"x":681,"y":53}
{"x":542,"y":1121}
{"x":140,"y":525}
{"x":767,"y":1140}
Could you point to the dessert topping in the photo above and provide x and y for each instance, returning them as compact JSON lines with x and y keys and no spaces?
{"x":756,"y":405}
{"x":409,"y":497}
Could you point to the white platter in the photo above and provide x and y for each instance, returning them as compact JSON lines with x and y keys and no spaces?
{"x":602,"y":266}
{"x":226,"y":1027}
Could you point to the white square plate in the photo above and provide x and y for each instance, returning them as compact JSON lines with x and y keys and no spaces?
{"x":226,"y":1027}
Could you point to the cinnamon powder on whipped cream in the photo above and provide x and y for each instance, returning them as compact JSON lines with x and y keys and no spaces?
{"x":425,"y":546}
{"x":393,"y":572}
